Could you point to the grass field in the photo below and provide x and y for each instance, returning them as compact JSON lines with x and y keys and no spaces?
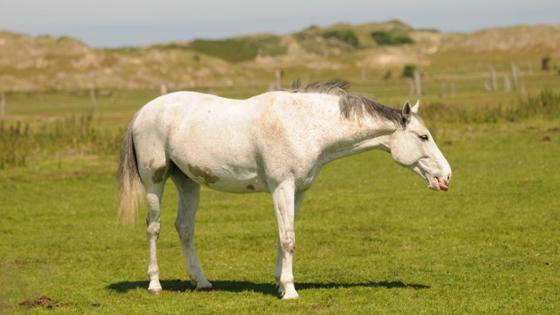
{"x":371,"y":237}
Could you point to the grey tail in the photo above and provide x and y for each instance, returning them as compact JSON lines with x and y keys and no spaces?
{"x":128,"y":177}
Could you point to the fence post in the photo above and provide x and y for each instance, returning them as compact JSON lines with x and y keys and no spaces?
{"x":493,"y":78}
{"x":507,"y":84}
{"x":417,"y":83}
{"x":514,"y":77}
{"x":163,"y":89}
{"x":522,"y":87}
{"x":487,"y":86}
{"x":278,"y":76}
{"x":453,"y":89}
{"x":410,"y":87}
{"x":93,"y":99}
{"x":442,"y":89}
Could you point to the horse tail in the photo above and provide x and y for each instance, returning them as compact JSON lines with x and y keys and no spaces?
{"x":129,"y":181}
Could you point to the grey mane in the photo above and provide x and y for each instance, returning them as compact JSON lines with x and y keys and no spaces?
{"x":351,"y":105}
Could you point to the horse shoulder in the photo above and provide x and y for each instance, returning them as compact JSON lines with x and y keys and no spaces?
{"x":283,"y":139}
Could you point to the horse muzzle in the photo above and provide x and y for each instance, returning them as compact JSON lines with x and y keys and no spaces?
{"x":438,"y":183}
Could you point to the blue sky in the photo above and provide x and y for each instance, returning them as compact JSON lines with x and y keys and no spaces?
{"x":105,"y":23}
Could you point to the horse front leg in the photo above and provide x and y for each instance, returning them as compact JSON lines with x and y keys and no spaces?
{"x":279,"y":256}
{"x":284,"y":208}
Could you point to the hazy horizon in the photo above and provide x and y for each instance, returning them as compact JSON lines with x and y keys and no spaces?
{"x":127,"y":23}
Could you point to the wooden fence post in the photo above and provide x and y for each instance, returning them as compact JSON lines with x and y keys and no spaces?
{"x":410,"y":87}
{"x":417,"y":83}
{"x":514,"y":77}
{"x":507,"y":84}
{"x":93,"y":99}
{"x":493,"y":78}
{"x":522,"y":87}
{"x":453,"y":89}
{"x":278,"y":76}
{"x":487,"y":86}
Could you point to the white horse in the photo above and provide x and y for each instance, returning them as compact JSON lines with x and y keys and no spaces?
{"x":274,"y":142}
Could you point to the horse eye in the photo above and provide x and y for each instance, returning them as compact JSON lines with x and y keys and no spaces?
{"x":423,"y":137}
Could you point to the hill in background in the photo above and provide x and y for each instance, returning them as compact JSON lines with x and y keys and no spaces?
{"x":348,"y":51}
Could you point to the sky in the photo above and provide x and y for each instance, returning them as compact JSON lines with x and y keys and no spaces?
{"x":115,"y":23}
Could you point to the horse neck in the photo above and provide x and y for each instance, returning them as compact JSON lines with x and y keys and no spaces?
{"x":353,"y":135}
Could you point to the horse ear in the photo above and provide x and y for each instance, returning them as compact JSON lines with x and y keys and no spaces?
{"x":416,"y":107}
{"x":406,"y":112}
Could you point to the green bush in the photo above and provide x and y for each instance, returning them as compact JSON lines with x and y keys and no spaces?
{"x":408,"y":71}
{"x":345,"y":36}
{"x":383,"y":38}
{"x":239,"y":49}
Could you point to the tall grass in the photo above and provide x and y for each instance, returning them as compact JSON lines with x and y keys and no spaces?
{"x":20,"y":142}
{"x":545,"y":104}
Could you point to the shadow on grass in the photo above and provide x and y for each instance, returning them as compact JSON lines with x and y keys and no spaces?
{"x":265,"y":288}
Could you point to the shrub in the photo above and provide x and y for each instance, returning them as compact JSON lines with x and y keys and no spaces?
{"x":345,"y":36}
{"x":408,"y":71}
{"x":545,"y":63}
{"x":390,"y":38}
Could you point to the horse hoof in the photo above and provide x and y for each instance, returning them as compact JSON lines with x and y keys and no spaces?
{"x":207,"y":286}
{"x":290,"y":296}
{"x":154,"y":291}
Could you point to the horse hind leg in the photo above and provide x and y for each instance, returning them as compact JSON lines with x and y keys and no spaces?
{"x":189,"y":196}
{"x":153,"y":173}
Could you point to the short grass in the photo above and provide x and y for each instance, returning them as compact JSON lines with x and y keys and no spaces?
{"x":371,"y":237}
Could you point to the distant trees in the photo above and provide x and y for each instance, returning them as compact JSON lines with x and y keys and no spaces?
{"x":391,"y":38}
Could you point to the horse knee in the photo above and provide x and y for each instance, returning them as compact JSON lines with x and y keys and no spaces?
{"x":288,"y":243}
{"x":153,"y":229}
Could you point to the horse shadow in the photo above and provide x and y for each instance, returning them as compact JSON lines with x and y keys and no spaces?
{"x":264,"y":288}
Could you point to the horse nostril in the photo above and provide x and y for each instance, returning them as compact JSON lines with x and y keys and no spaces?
{"x":448,"y":177}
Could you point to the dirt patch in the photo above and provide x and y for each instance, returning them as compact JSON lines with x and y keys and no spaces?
{"x":43,"y":301}
{"x":546,"y":139}
{"x":555,"y":129}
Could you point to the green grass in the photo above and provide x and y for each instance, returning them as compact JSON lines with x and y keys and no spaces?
{"x":371,"y":237}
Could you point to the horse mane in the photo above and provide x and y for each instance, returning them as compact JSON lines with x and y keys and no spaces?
{"x":351,"y":105}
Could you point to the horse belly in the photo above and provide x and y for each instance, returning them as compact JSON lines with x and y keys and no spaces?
{"x":229,"y":167}
{"x":223,"y":177}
